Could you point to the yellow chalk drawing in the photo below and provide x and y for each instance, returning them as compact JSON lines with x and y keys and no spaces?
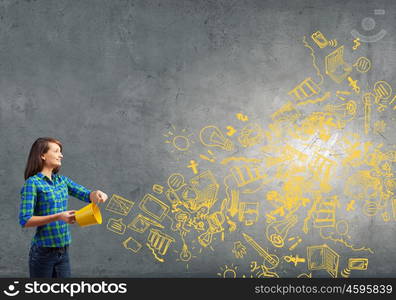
{"x":232,"y":225}
{"x":390,"y":184}
{"x":294,"y":259}
{"x":211,"y":159}
{"x":313,"y":101}
{"x":382,"y":91}
{"x":307,"y":88}
{"x":305,"y":275}
{"x":351,"y":206}
{"x":386,"y":169}
{"x":116,"y":226}
{"x":211,"y":136}
{"x":286,"y":113}
{"x":380,"y":126}
{"x":205,"y":188}
{"x":158,"y":189}
{"x":271,"y":259}
{"x":244,"y":159}
{"x":321,"y":167}
{"x":252,"y":134}
{"x":313,"y":60}
{"x":365,"y":186}
{"x":131,"y":244}
{"x":356,"y":44}
{"x":141,"y":223}
{"x":248,"y":213}
{"x":354,"y":264}
{"x":242,"y":117}
{"x":358,"y":263}
{"x":173,"y":198}
{"x":354,"y":151}
{"x":367,"y":112}
{"x":347,"y":109}
{"x":385,"y":216}
{"x":176,"y":181}
{"x":249,"y":178}
{"x":354,"y":85}
{"x":159,"y":242}
{"x":394,"y":208}
{"x":185,"y":255}
{"x":292,"y":247}
{"x":394,"y":98}
{"x":325,"y":212}
{"x":333,"y":43}
{"x":342,"y":228}
{"x":231,"y":130}
{"x":370,"y":208}
{"x":279,"y":203}
{"x":391,"y":155}
{"x":343,"y":113}
{"x":262,"y":270}
{"x":276,"y":232}
{"x":239,"y":249}
{"x":232,"y":195}
{"x":362,"y":64}
{"x":319,"y":39}
{"x":193,"y":166}
{"x":322,"y":257}
{"x":180,"y":142}
{"x":119,"y":205}
{"x":183,"y":220}
{"x":154,"y":207}
{"x":228,"y":272}
{"x":311,"y":211}
{"x":340,"y":94}
{"x":306,"y":169}
{"x":335,"y":66}
{"x":344,"y":242}
{"x":215,"y":222}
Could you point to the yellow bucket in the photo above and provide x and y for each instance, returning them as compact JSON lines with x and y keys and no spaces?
{"x":89,"y":215}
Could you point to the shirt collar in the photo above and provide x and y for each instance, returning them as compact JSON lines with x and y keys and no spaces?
{"x":42,"y":176}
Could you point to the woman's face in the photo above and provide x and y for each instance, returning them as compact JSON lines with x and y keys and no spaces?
{"x":52,"y":158}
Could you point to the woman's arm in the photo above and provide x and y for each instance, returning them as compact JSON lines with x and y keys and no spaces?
{"x":82,"y":193}
{"x":66,"y":216}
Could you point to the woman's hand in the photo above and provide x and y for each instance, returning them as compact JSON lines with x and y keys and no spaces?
{"x":97,"y":197}
{"x":67,"y":216}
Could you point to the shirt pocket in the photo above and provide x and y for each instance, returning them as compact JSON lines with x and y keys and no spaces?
{"x":63,"y":191}
{"x":45,"y":203}
{"x":61,"y":196}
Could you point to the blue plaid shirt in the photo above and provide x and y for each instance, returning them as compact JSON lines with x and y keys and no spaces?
{"x":41,"y":196}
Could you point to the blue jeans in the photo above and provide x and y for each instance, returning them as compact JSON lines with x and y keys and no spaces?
{"x":45,"y":262}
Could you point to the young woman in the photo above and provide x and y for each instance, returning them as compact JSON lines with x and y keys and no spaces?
{"x":44,"y":198}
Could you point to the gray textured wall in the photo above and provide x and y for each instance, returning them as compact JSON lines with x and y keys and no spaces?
{"x":111,"y":79}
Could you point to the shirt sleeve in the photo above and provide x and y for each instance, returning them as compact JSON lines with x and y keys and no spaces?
{"x":76,"y":190}
{"x":28,"y":201}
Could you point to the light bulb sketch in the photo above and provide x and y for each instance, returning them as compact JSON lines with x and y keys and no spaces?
{"x":181,"y":141}
{"x":211,"y":136}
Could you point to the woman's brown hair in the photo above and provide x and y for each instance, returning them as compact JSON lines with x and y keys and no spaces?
{"x":35,"y":163}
